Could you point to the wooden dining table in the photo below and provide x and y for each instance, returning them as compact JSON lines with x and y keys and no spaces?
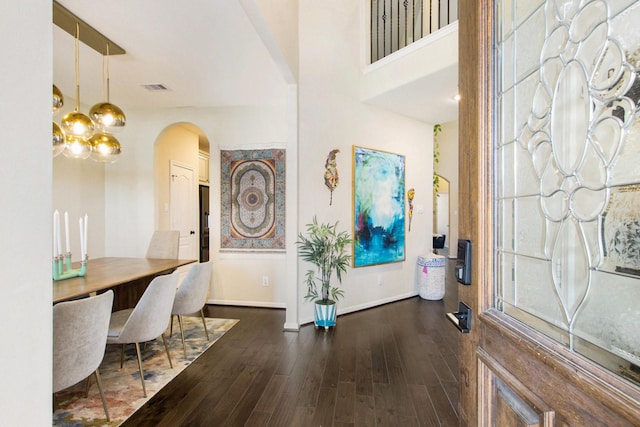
{"x":127,"y":277}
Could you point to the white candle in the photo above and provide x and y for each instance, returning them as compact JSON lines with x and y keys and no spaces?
{"x":81,"y":238}
{"x":86,"y":221}
{"x":66,"y":232}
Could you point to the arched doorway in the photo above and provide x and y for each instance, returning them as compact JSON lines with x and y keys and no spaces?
{"x":181,"y":187}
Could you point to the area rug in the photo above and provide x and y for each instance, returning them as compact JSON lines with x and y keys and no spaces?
{"x":122,"y":387}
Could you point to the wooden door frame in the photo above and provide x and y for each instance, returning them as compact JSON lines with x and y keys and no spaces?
{"x":475,"y":191}
{"x":560,"y":386}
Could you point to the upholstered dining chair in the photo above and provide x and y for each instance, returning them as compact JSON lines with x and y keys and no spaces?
{"x":191,"y":297}
{"x":164,"y":244}
{"x":147,"y":320}
{"x":79,"y":340}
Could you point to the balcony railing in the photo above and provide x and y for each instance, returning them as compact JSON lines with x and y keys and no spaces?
{"x":398,"y":23}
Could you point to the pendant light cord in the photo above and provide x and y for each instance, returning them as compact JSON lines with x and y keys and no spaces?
{"x":77,"y":65}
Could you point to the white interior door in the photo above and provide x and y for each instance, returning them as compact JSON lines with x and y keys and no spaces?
{"x":184,"y":207}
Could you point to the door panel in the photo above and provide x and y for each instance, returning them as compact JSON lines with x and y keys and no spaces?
{"x":511,"y":374}
{"x":184,"y":208}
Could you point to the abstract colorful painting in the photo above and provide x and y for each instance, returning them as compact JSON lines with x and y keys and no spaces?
{"x":378,"y":207}
{"x":252,"y":199}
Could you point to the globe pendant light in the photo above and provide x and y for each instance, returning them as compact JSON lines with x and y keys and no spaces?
{"x":58,"y":140}
{"x":58,"y":99}
{"x":105,"y":148}
{"x":58,"y":135}
{"x":77,"y":127}
{"x":109,"y":118}
{"x":76,"y":147}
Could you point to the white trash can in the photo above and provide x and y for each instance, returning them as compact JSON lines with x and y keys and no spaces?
{"x":430,"y":276}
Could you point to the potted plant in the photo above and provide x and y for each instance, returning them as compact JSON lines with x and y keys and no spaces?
{"x":326,"y":248}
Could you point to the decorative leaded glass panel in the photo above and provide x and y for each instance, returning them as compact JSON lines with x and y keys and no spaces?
{"x":568,"y":174}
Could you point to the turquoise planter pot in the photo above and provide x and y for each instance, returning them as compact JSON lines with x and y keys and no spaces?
{"x":325,"y":314}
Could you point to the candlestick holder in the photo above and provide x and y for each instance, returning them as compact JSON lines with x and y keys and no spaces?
{"x":62,"y":270}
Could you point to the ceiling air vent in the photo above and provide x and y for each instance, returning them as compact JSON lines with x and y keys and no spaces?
{"x":155,"y":87}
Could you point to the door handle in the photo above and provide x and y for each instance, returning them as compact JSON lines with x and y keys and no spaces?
{"x":462,"y":318}
{"x":192,"y":232}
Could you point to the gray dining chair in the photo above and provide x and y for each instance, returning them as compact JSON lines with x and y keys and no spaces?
{"x":79,"y":340}
{"x":147,"y":320}
{"x":191,"y":297}
{"x":164,"y":244}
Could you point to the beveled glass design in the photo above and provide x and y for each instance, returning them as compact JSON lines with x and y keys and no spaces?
{"x":568,"y":174}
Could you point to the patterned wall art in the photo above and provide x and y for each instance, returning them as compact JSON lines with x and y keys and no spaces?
{"x":252,"y":200}
{"x":378,"y":207}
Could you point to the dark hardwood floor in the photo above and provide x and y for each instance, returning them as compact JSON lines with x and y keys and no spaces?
{"x":394,"y":365}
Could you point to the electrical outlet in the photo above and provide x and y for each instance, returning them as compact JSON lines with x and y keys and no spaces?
{"x":265,"y":280}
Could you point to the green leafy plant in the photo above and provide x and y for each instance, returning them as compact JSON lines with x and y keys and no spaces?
{"x":326,"y":248}
{"x":437,"y":128}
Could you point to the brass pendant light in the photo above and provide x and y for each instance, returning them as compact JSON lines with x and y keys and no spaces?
{"x":81,"y":136}
{"x":105,"y":148}
{"x":58,"y":99}
{"x":108,"y":117}
{"x":58,"y":135}
{"x":77,"y":127}
{"x":58,"y":140}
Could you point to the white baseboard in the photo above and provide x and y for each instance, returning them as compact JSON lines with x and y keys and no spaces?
{"x":243,"y":303}
{"x":371,"y":304}
{"x":292,"y":327}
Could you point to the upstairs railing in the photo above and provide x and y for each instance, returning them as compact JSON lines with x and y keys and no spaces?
{"x":398,"y":23}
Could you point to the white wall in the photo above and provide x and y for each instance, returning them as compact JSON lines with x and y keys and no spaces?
{"x":237,"y":277}
{"x":332,"y":116}
{"x":322,"y":113}
{"x":25,"y":196}
{"x":78,"y":188}
{"x":448,"y":168}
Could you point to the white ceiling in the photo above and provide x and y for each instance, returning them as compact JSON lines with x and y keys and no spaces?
{"x":206,"y":52}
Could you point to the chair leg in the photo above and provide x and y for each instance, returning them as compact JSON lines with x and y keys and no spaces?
{"x":204,"y":324}
{"x":171,"y":326}
{"x":164,"y":341}
{"x":86,"y":392}
{"x":122,"y":356}
{"x":104,"y":401}
{"x":184,"y":347}
{"x":144,"y":389}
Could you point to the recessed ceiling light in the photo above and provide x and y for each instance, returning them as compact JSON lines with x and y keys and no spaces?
{"x":155,"y":87}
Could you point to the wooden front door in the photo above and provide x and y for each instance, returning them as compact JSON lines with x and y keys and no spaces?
{"x":511,"y":374}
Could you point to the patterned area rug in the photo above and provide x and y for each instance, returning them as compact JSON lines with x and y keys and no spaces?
{"x":122,"y":387}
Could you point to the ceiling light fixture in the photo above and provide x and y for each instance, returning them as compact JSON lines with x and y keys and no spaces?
{"x":77,"y":127}
{"x":81,"y":136}
{"x":108,"y":117}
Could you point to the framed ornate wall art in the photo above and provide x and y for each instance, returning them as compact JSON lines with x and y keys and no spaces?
{"x":252,"y":205}
{"x":378,"y":207}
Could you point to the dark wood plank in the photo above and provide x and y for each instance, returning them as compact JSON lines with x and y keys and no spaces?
{"x":346,"y":404}
{"x":390,"y":365}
